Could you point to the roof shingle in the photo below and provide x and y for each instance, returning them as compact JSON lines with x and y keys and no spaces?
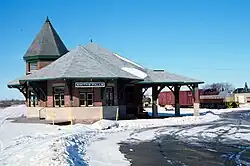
{"x":166,"y":77}
{"x":80,"y":63}
{"x":93,"y":61}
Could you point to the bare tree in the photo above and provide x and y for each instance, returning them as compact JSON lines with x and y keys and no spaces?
{"x":219,"y":86}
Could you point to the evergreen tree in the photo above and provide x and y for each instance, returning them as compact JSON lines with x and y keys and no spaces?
{"x":246,"y":87}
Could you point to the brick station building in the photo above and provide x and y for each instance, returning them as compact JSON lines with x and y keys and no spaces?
{"x":89,"y":81}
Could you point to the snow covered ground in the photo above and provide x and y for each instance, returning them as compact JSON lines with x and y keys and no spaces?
{"x":98,"y":144}
{"x":189,"y":111}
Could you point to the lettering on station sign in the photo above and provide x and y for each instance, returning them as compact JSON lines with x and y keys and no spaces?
{"x":89,"y":84}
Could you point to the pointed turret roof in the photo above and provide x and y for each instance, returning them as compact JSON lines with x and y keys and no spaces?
{"x":47,"y":43}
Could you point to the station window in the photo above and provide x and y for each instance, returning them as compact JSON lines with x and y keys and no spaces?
{"x":83,"y":99}
{"x":33,"y":101}
{"x":58,"y":96}
{"x":86,"y":97}
{"x":32,"y":66}
{"x":89,"y":99}
{"x":109,"y":96}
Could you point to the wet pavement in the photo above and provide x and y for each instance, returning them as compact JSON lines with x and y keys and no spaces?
{"x":171,"y":150}
{"x":243,"y":116}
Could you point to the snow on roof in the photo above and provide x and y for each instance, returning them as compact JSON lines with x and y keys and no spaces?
{"x":129,"y":61}
{"x":135,"y":72}
{"x":80,"y":63}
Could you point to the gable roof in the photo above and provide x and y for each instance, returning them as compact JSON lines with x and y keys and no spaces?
{"x":46,"y":43}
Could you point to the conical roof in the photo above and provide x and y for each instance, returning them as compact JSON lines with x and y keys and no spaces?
{"x":46,"y":44}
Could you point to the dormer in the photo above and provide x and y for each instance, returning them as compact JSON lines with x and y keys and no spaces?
{"x":45,"y":48}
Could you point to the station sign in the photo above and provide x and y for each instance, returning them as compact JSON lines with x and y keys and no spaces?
{"x":89,"y":84}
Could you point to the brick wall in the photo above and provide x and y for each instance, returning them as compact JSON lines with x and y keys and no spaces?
{"x":66,"y":97}
{"x":49,"y":94}
{"x":75,"y":96}
{"x":97,"y":97}
{"x":41,"y":64}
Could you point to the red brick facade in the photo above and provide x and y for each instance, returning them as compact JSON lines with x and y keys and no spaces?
{"x":41,"y":64}
{"x":97,"y":99}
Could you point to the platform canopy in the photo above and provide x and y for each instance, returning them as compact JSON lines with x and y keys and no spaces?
{"x":164,"y":77}
{"x":14,"y":83}
{"x":93,"y":61}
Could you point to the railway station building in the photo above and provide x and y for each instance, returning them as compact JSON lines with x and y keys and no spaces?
{"x":89,"y":81}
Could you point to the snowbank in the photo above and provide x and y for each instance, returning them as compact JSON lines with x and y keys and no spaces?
{"x":12,"y":112}
{"x":98,"y":144}
{"x":32,"y":144}
{"x":190,"y":111}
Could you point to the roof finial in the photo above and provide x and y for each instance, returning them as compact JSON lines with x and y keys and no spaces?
{"x":91,"y":40}
{"x":47,"y":19}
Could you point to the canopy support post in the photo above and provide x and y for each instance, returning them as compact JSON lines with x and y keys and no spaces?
{"x":177,"y":99}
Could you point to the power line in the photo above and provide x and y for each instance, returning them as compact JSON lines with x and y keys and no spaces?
{"x":217,"y":69}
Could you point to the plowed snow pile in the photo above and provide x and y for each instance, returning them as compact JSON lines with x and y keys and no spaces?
{"x":96,"y":144}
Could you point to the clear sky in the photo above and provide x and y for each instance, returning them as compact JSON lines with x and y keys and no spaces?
{"x":204,"y":39}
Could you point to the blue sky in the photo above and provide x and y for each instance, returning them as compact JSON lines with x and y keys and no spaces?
{"x":204,"y":39}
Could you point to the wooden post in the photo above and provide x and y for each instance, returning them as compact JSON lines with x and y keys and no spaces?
{"x":154,"y":101}
{"x":101,"y":113}
{"x":117,"y":114}
{"x":196,"y":100}
{"x":53,"y":118}
{"x":71,"y":116}
{"x":27,"y":96}
{"x":138,"y":99}
{"x":177,"y":99}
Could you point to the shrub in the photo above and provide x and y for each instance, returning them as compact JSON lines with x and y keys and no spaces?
{"x":232,"y":104}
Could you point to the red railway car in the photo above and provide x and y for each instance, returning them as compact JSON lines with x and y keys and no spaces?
{"x":209,"y":98}
{"x":167,"y":98}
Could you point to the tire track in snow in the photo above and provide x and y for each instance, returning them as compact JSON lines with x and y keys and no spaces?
{"x":34,"y":147}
